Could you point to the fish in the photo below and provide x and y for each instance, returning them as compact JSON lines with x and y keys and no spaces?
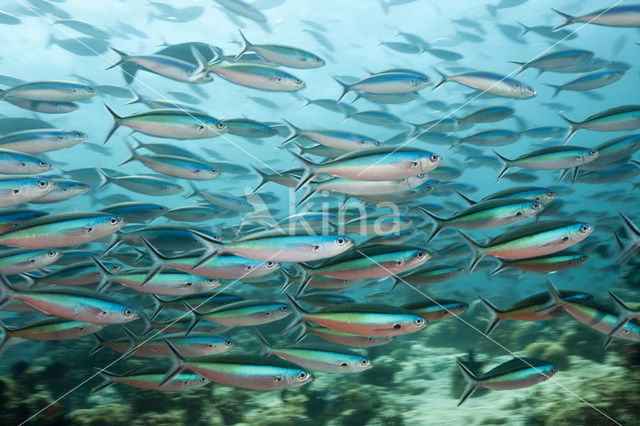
{"x":48,"y":329}
{"x":614,"y":16}
{"x":318,"y":357}
{"x":387,"y":83}
{"x":170,"y":165}
{"x":77,"y":306}
{"x":51,"y":91}
{"x":552,"y":158}
{"x":64,"y":190}
{"x":258,"y":76}
{"x":168,"y":66}
{"x":611,"y":120}
{"x":530,"y":240}
{"x":135,"y":212}
{"x":17,"y":163}
{"x":23,"y":190}
{"x":487,"y":214}
{"x":169,"y":123}
{"x":493,"y":137}
{"x":62,"y":230}
{"x":41,"y":140}
{"x":429,"y":274}
{"x":491,"y":83}
{"x":362,"y":319}
{"x":243,"y":9}
{"x":151,"y":380}
{"x":528,"y":309}
{"x":287,"y":56}
{"x":243,"y":371}
{"x":336,"y":139}
{"x":544,"y":264}
{"x":149,"y":185}
{"x":515,"y":374}
{"x":488,"y":115}
{"x":591,"y":81}
{"x":556,"y":60}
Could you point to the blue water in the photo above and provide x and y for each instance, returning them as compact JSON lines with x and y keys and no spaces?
{"x":414,"y":379}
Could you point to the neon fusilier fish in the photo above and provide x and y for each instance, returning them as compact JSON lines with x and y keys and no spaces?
{"x":49,"y":329}
{"x":552,"y":158}
{"x":530,"y":240}
{"x":387,"y":83}
{"x":41,"y":140}
{"x":194,"y":213}
{"x":13,"y":262}
{"x":245,"y":313}
{"x":340,"y":338}
{"x":529,"y":309}
{"x":243,"y":371}
{"x":489,"y":82}
{"x":44,"y":107}
{"x":64,"y":189}
{"x":536,"y":193}
{"x":179,"y":167}
{"x":250,"y":128}
{"x":18,"y":163}
{"x":545,"y":132}
{"x":337,"y":139}
{"x":370,"y":262}
{"x":149,"y":185}
{"x":494,"y":137}
{"x":617,"y":149}
{"x":592,"y":81}
{"x":62,"y":230}
{"x":633,"y":232}
{"x":168,"y":66}
{"x":135,"y":212}
{"x":429,"y":274}
{"x":169,"y":123}
{"x":435,"y":310}
{"x":362,"y":319}
{"x":611,"y":120}
{"x":616,"y":16}
{"x":162,"y":104}
{"x":23,"y":190}
{"x":376,"y":164}
{"x":515,"y":374}
{"x":291,"y":57}
{"x":78,"y":273}
{"x":257,"y":76}
{"x":51,"y":91}
{"x":375,"y":118}
{"x":380,"y":225}
{"x":151,"y":380}
{"x":318,"y":357}
{"x":487,"y":214}
{"x":622,"y":173}
{"x":544,"y":264}
{"x":554,"y":60}
{"x":487,"y":115}
{"x":77,"y":306}
{"x":323,"y":300}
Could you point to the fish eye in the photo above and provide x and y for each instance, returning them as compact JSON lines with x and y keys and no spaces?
{"x":302,"y":375}
{"x":76,"y":134}
{"x":90,"y":89}
{"x":536,"y":205}
{"x":284,"y":308}
{"x":188,"y":284}
{"x":399,"y":262}
{"x":434,"y":158}
{"x":421,"y":254}
{"x":42,"y":164}
{"x":625,"y":331}
{"x":583,"y":228}
{"x":551,"y":194}
{"x":74,"y":90}
{"x":412,"y":82}
{"x":270,"y":264}
{"x":341,"y":241}
{"x":203,"y":379}
{"x":221,"y":125}
{"x":364,"y":362}
{"x":419,"y":321}
{"x":593,"y":153}
{"x":211,"y":280}
{"x":407,"y":220}
{"x":228,"y":342}
{"x":60,"y":138}
{"x":278,"y":79}
{"x":113,"y":221}
{"x":43,"y":183}
{"x":297,"y":81}
{"x":22,"y":164}
{"x":51,"y":253}
{"x":128,"y":312}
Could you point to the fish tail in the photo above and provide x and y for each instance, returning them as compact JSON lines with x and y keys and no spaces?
{"x":99,"y":344}
{"x":288,"y":280}
{"x":158,"y":305}
{"x":575,"y":126}
{"x":132,"y":154}
{"x":104,"y":179}
{"x":212,"y":247}
{"x":265,"y":347}
{"x":292,"y":136}
{"x":555,"y":300}
{"x":158,"y":261}
{"x":568,"y":19}
{"x":136,"y":98}
{"x":443,"y":79}
{"x":466,"y":199}
{"x":104,"y":274}
{"x":525,"y":29}
{"x":246,"y":45}
{"x":625,"y":314}
{"x":476,"y":250}
{"x":634,"y":233}
{"x":471,"y":379}
{"x":309,"y":170}
{"x":306,"y":196}
{"x":438,"y":221}
{"x":264,"y":179}
{"x":6,"y":335}
{"x":557,"y":88}
{"x":304,"y":282}
{"x":7,"y":290}
{"x":200,"y":61}
{"x":506,"y":165}
{"x":496,"y":315}
{"x":116,"y":122}
{"x":522,"y":66}
{"x":134,"y":342}
{"x":177,"y":362}
{"x":499,"y":269}
{"x":300,"y":315}
{"x":108,"y":379}
{"x":345,"y":88}
{"x":307,"y":102}
{"x":122,"y":58}
{"x":304,"y":331}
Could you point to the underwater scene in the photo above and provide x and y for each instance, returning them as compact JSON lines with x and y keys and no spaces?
{"x":280,"y":212}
